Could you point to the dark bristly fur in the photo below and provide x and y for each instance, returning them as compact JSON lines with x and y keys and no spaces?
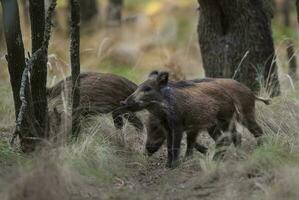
{"x":100,"y":94}
{"x":243,"y":97}
{"x":183,"y":107}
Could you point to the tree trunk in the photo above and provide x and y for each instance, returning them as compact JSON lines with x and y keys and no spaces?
{"x":1,"y":31}
{"x":292,"y":59}
{"x":16,"y":60}
{"x":38,"y":78}
{"x":297,"y":8}
{"x":75,"y":64}
{"x":286,"y":9}
{"x":89,"y":10}
{"x":25,"y":11}
{"x":235,"y":42}
{"x":15,"y":48}
{"x":114,"y":12}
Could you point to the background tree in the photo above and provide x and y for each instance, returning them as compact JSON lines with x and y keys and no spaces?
{"x":114,"y":12}
{"x":1,"y":31}
{"x":25,"y":11}
{"x":89,"y":10}
{"x":235,"y":41}
{"x":15,"y":55}
{"x":286,"y":9}
{"x":75,"y":64}
{"x":38,"y":78}
{"x":297,"y":8}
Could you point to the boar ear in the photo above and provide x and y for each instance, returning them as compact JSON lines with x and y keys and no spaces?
{"x":162,"y":79}
{"x":153,"y":74}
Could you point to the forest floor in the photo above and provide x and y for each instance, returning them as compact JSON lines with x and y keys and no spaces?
{"x":109,"y":164}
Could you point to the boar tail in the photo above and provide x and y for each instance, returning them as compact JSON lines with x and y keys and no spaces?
{"x":266,"y":101}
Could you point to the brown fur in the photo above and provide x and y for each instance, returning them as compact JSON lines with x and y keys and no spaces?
{"x":100,"y":93}
{"x":244,"y":99}
{"x":183,"y":107}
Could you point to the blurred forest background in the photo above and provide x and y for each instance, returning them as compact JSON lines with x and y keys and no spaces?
{"x":156,"y":34}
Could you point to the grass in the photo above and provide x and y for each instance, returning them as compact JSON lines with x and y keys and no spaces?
{"x":109,"y":163}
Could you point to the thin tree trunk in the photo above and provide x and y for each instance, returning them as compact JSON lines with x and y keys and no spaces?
{"x":286,"y":9}
{"x":75,"y":64}
{"x":15,"y":48}
{"x":114,"y":12}
{"x":89,"y":10}
{"x":297,"y":8}
{"x":292,"y":59}
{"x":16,"y":60}
{"x":38,"y":78}
{"x":25,"y":11}
{"x":1,"y":31}
{"x":235,"y":41}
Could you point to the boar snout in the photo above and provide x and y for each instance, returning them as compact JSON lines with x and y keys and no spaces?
{"x":130,"y":104}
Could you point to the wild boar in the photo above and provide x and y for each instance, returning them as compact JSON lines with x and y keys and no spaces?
{"x":183,"y":106}
{"x":243,"y":97}
{"x":100,"y":94}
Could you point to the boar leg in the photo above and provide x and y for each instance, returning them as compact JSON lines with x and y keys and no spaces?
{"x":202,"y":149}
{"x":191,"y":143}
{"x":236,"y":136}
{"x":253,"y":127}
{"x":135,"y":121}
{"x":118,"y":120}
{"x":174,"y":137}
{"x":215,"y":133}
{"x":191,"y":140}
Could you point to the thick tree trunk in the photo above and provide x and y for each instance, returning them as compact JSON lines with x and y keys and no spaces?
{"x":38,"y":78}
{"x":114,"y":12}
{"x":89,"y":10}
{"x":235,"y":41}
{"x":75,"y":64}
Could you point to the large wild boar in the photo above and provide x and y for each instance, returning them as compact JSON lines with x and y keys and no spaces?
{"x":183,"y":106}
{"x":243,"y":97}
{"x":100,"y":94}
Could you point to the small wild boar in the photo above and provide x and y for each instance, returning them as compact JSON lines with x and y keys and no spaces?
{"x":243,"y":97}
{"x":100,"y":94}
{"x":183,"y":106}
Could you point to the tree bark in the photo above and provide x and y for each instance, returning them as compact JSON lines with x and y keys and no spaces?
{"x":89,"y":10}
{"x":15,"y":48}
{"x":38,"y":78}
{"x":286,"y":9}
{"x":235,"y":42}
{"x":114,"y":12}
{"x":75,"y":64}
{"x":1,"y":32}
{"x":292,"y":59}
{"x":16,"y":61}
{"x":25,"y":11}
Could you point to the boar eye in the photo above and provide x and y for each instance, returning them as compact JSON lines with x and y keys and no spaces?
{"x":147,"y":88}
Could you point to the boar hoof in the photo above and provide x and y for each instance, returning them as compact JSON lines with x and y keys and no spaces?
{"x":172,"y":164}
{"x":219,"y":155}
{"x":259,"y":141}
